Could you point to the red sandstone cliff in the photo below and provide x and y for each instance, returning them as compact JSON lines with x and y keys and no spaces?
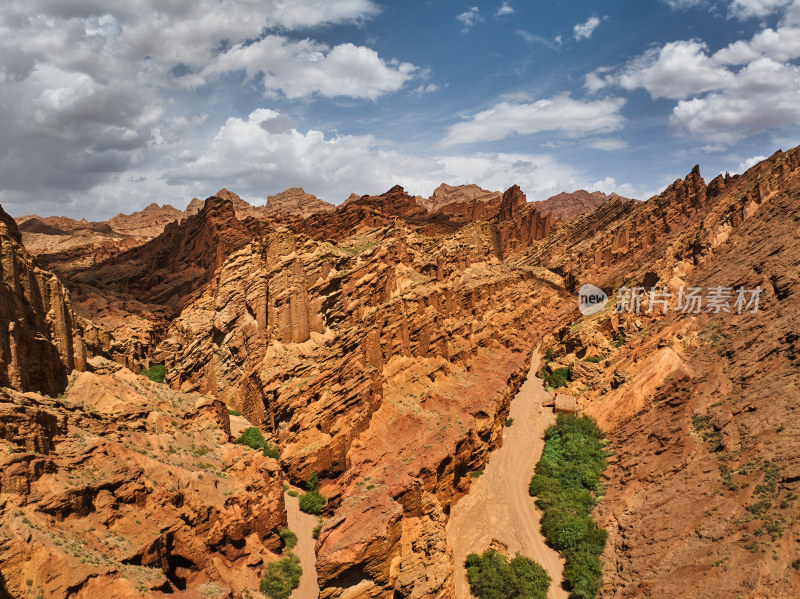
{"x":40,"y":341}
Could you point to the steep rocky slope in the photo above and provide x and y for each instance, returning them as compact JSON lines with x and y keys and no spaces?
{"x":40,"y":339}
{"x":561,"y":207}
{"x":329,"y":347}
{"x":699,"y":407}
{"x":123,"y":488}
{"x":177,"y":262}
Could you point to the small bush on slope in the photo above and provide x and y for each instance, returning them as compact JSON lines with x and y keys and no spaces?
{"x":252,"y":437}
{"x":155,"y":373}
{"x":557,"y":378}
{"x":282,"y":577}
{"x":568,"y":472}
{"x":289,"y":538}
{"x":312,"y":501}
{"x":491,"y":576}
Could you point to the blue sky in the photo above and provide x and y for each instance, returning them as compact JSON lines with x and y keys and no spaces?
{"x":109,"y":105}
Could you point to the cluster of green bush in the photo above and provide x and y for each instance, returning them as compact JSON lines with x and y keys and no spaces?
{"x":564,"y":484}
{"x":312,"y":501}
{"x":289,"y":538}
{"x":492,"y":576}
{"x":557,"y":378}
{"x":156,"y":373}
{"x":593,"y":359}
{"x":252,"y":437}
{"x":282,"y":577}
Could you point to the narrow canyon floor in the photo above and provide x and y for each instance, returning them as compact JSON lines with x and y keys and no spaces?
{"x":498,"y":507}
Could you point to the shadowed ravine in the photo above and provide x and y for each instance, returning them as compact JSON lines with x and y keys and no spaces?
{"x":498,"y":505}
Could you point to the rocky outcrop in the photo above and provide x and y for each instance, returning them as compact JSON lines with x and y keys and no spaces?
{"x":124,"y":488}
{"x":40,"y":341}
{"x":566,"y":206}
{"x":195,"y":206}
{"x":379,"y":344}
{"x":445,"y":195}
{"x":148,"y":223}
{"x":179,"y":261}
{"x":359,"y":215}
{"x":241,"y":208}
{"x":295,"y":202}
{"x":520,"y":223}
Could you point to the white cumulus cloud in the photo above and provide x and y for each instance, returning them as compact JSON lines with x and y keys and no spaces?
{"x":469,"y":18}
{"x":89,"y":88}
{"x":505,"y":9}
{"x":745,"y":88}
{"x":746,"y":164}
{"x":744,"y":9}
{"x":561,"y":113}
{"x":255,"y":158}
{"x":586,"y":29}
{"x":303,"y":68}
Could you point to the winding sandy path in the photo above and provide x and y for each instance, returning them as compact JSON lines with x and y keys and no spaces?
{"x":498,"y":505}
{"x":303,"y":526}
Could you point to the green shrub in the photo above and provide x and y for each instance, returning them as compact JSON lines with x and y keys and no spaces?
{"x":476,"y":474}
{"x":312,"y":501}
{"x":156,"y":373}
{"x":557,"y":378}
{"x":292,"y":493}
{"x":593,"y":359}
{"x":566,"y":478}
{"x":253,"y":437}
{"x":491,"y":576}
{"x":509,"y":421}
{"x":282,"y":577}
{"x":317,"y":528}
{"x":289,"y":538}
{"x":234,"y":412}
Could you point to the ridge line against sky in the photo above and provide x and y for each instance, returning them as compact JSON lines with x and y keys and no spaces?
{"x":109,"y":106}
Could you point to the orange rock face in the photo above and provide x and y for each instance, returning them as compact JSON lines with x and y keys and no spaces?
{"x":379,"y":344}
{"x":451,"y":194}
{"x":40,"y":338}
{"x":147,"y":223}
{"x":701,"y":493}
{"x":296,"y":202}
{"x":124,"y":488}
{"x":330,"y":347}
{"x":566,"y":206}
